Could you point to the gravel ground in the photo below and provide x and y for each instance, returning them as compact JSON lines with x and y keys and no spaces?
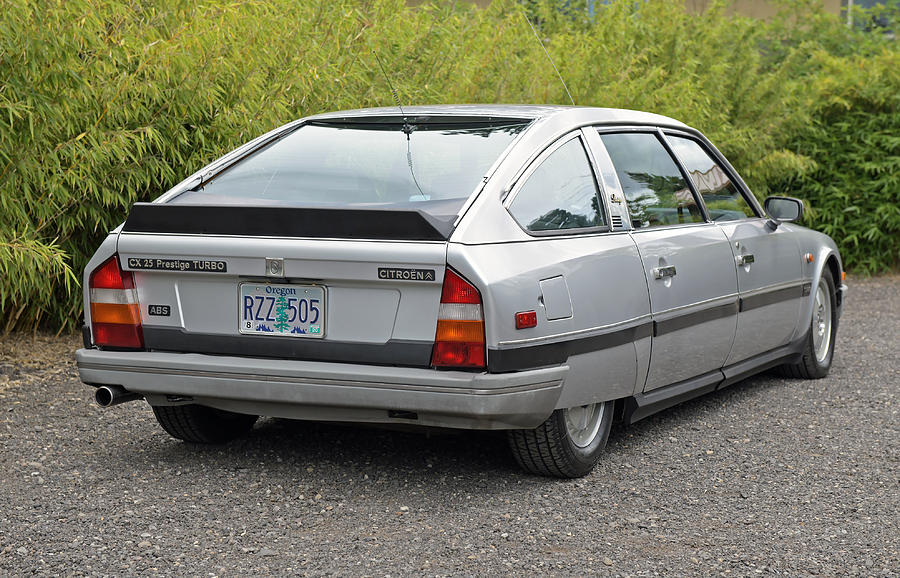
{"x":771,"y":476}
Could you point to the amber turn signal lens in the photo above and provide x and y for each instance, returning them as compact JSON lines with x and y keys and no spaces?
{"x":128,"y":314}
{"x":462,"y":331}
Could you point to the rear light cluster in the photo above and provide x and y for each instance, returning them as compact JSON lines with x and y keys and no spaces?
{"x":459,"y":339}
{"x":115,"y":311}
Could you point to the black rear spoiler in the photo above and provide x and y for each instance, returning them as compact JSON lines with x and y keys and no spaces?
{"x":286,"y":221}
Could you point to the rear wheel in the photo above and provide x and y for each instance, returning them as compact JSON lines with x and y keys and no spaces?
{"x":568,"y":444}
{"x":819,"y":350}
{"x":202,"y":425}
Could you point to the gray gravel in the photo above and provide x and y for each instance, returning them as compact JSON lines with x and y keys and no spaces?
{"x":769,"y":476}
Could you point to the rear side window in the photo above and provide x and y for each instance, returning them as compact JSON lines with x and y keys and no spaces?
{"x":560,"y":194}
{"x":655,"y":190}
{"x":722,"y":198}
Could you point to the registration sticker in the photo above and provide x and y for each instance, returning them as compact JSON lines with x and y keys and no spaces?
{"x":287,"y":310}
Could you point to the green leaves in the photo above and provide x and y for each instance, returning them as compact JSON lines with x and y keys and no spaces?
{"x":107,"y":102}
{"x":25,"y":266}
{"x":853,"y":138}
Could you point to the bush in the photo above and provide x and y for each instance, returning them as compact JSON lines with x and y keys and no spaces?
{"x":108,"y":102}
{"x":853,"y":140}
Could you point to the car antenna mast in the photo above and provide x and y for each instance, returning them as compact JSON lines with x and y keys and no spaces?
{"x":407,"y":128}
{"x":541,"y":42}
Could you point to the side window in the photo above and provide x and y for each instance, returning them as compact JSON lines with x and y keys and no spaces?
{"x":560,"y":194}
{"x":654,"y":187}
{"x":722,"y":198}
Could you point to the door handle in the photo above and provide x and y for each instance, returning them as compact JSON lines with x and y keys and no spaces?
{"x":746,"y":259}
{"x":662,"y":272}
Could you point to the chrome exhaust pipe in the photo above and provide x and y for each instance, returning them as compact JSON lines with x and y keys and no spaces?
{"x":109,"y":395}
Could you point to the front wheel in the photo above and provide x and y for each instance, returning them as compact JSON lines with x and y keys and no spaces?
{"x":819,"y":350}
{"x":568,"y":444}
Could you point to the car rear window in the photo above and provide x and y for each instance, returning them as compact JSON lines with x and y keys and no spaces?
{"x":379,"y":163}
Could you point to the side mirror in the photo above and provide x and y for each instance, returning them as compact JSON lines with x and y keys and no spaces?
{"x":784,"y":208}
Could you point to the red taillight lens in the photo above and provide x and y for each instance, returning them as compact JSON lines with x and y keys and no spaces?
{"x":109,"y":276}
{"x":459,"y":339}
{"x":458,"y":290}
{"x":115,"y":311}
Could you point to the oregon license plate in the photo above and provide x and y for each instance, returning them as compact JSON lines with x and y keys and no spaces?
{"x":288,"y":310}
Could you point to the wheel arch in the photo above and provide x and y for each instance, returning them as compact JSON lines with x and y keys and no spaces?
{"x":828,"y":259}
{"x":834,"y":266}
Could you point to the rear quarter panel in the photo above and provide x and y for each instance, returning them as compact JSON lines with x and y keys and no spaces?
{"x":608,"y":293}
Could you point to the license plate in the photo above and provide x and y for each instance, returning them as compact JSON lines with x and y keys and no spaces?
{"x":287,"y":310}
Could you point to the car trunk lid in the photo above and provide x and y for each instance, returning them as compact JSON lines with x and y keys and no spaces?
{"x":372,"y":281}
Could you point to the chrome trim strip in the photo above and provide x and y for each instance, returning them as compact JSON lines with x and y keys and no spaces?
{"x":724,"y":298}
{"x":589,"y":332}
{"x":774,"y":287}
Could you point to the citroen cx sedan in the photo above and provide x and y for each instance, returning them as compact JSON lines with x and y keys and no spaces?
{"x":538,"y":269}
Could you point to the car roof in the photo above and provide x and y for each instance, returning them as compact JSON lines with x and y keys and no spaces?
{"x":509,"y":111}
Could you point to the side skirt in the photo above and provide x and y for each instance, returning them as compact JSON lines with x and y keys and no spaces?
{"x":643,"y":405}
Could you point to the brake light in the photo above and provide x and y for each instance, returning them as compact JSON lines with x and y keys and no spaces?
{"x":459,"y":339}
{"x":115,"y":311}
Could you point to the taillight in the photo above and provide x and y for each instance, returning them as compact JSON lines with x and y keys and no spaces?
{"x":459,"y":339}
{"x":115,"y":311}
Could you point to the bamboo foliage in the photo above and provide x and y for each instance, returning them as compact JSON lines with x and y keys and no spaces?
{"x":107,"y":102}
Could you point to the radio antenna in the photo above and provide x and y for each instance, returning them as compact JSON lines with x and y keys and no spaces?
{"x":406,"y":127}
{"x":541,"y":42}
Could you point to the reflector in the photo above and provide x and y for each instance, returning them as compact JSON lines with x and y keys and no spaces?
{"x":526,"y":319}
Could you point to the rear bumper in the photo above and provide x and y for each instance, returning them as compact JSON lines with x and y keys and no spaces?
{"x":331,"y":391}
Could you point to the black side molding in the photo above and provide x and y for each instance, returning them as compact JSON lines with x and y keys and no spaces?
{"x":286,"y":221}
{"x":686,"y":320}
{"x":773,"y":296}
{"x":547,"y":354}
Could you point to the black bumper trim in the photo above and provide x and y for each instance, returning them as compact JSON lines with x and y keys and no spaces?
{"x":394,"y":352}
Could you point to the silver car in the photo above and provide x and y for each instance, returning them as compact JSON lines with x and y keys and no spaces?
{"x":538,"y":269}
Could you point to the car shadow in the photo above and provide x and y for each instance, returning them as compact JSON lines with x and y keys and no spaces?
{"x":288,"y":449}
{"x":697,"y":409}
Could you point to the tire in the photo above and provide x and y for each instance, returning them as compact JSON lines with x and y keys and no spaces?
{"x":818,"y":352}
{"x":202,"y":425}
{"x":564,"y":451}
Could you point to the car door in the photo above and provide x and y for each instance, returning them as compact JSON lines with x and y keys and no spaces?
{"x":688,"y":265}
{"x":767,"y":262}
